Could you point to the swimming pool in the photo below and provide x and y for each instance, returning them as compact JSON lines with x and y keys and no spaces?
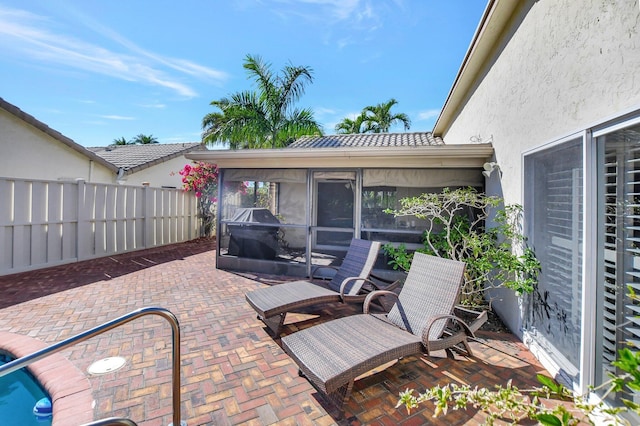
{"x":19,"y":393}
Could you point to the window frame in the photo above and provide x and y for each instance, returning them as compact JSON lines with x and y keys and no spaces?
{"x":553,"y":359}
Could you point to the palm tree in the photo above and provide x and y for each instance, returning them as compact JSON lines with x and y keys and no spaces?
{"x":265,"y":118}
{"x":348,"y":126}
{"x":121,"y":141}
{"x":379,"y":118}
{"x":144,"y":139}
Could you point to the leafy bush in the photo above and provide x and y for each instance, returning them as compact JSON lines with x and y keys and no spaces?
{"x":456,"y":229}
{"x":512,"y":404}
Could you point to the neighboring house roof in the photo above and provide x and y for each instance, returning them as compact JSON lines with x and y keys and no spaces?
{"x":368,"y":140}
{"x":133,"y":158}
{"x":31,"y":120}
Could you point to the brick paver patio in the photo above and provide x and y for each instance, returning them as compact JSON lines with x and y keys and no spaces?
{"x":233,"y":372}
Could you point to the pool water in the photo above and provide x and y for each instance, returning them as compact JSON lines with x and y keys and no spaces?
{"x":19,"y":392}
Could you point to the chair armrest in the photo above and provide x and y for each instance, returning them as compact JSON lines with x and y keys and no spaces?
{"x":347,"y":280}
{"x":376,"y":287}
{"x":425,"y":333}
{"x":476,"y":318}
{"x":317,"y":267}
{"x":392,"y":285}
{"x":373,"y":295}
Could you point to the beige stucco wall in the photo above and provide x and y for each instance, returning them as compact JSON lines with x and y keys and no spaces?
{"x":563,"y":66}
{"x":28,"y":153}
{"x":159,"y":175}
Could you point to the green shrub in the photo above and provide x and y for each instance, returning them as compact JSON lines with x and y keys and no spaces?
{"x":496,"y":256}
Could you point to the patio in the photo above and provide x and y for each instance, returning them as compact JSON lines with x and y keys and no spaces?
{"x":233,"y":372}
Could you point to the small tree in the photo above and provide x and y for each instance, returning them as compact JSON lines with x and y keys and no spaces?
{"x":374,"y":119}
{"x":144,"y":139}
{"x":456,"y":229}
{"x":379,"y":119}
{"x":202,"y":179}
{"x":349,"y":126}
{"x":121,"y":141}
{"x":266,"y":117}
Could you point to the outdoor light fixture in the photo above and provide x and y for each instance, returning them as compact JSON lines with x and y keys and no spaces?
{"x":490,"y":168}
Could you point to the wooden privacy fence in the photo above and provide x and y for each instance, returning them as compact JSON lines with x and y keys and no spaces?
{"x":47,"y":223}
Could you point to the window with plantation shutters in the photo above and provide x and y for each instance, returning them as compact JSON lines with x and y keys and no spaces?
{"x":619,"y":245}
{"x":553,"y":212}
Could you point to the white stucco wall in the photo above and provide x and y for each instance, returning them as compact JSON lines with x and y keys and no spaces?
{"x":562,"y":67}
{"x":159,"y":175}
{"x":29,"y":153}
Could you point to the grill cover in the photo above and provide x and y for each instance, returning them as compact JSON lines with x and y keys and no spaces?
{"x":252,"y":240}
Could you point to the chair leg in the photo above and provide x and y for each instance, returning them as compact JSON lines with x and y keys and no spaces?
{"x":465,"y":343}
{"x":465,"y":350}
{"x":339,"y":397}
{"x":274,"y":323}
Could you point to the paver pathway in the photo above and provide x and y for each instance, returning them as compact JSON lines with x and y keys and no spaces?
{"x":233,"y":372}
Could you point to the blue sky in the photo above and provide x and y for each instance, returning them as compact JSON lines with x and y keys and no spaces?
{"x":99,"y":70}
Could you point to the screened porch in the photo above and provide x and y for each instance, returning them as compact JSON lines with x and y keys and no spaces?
{"x":284,"y":221}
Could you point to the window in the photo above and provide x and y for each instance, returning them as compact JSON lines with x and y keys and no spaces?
{"x":553,"y":204}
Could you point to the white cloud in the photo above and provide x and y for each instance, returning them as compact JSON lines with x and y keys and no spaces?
{"x":156,"y":105}
{"x":339,"y":9}
{"x":357,"y":14}
{"x":27,"y":35}
{"x":322,"y":111}
{"x":428,"y":114}
{"x":117,"y":117}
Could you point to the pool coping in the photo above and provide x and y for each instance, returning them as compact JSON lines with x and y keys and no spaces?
{"x":70,"y":390}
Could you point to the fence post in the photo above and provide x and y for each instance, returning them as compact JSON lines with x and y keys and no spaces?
{"x":7,"y":222}
{"x":149,"y":217}
{"x":82,"y":234}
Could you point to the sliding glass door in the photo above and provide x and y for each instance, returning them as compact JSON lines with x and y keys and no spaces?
{"x":554,"y":216}
{"x":618,"y":246}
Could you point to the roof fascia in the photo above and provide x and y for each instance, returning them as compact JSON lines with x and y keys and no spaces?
{"x":493,"y":24}
{"x":438,"y":156}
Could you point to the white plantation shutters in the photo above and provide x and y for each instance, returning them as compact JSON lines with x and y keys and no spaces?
{"x":619,"y":244}
{"x":553,"y":211}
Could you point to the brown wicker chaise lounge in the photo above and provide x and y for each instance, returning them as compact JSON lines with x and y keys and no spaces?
{"x":273,"y":303}
{"x":331,"y":355}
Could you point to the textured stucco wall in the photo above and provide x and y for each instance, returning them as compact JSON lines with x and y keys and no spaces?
{"x":561,"y":67}
{"x":159,"y":175}
{"x":29,"y":153}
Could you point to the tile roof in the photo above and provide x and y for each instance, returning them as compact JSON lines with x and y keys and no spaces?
{"x":368,"y":140}
{"x":133,"y":158}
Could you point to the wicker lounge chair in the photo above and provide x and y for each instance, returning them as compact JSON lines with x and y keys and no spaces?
{"x":347,"y":285}
{"x":333,"y":354}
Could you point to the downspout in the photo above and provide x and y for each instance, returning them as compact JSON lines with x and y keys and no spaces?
{"x":90,"y":177}
{"x":120,"y":175}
